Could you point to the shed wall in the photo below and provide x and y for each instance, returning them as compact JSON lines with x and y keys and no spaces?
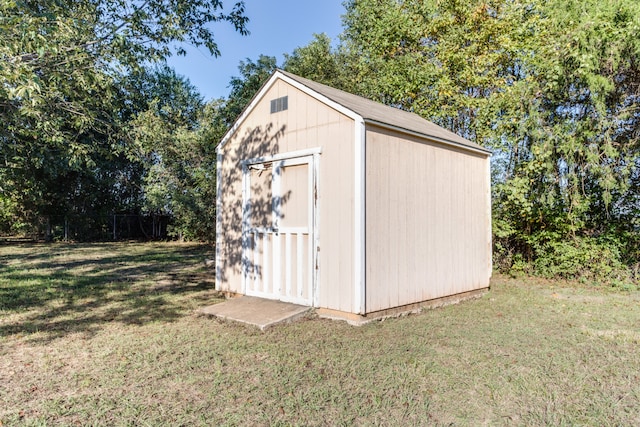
{"x":306,"y":123}
{"x":427,"y":217}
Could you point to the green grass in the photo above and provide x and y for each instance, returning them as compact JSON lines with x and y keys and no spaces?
{"x":106,"y":334}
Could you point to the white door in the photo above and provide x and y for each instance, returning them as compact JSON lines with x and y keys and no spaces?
{"x":279,"y":248}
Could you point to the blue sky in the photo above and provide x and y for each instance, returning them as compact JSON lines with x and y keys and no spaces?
{"x":277,"y":27}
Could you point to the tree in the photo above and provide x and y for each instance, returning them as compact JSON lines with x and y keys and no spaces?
{"x":62,"y":107}
{"x":244,"y":87}
{"x":551,"y":87}
{"x":319,"y":62}
{"x":569,"y":190}
{"x":175,"y":138}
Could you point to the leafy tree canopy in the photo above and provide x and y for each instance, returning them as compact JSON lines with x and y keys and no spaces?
{"x":550,"y":86}
{"x":71,"y":78}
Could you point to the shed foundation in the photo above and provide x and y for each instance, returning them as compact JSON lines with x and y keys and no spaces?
{"x":358,"y":320}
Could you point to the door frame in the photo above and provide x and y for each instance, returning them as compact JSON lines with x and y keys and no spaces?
{"x":311,"y":157}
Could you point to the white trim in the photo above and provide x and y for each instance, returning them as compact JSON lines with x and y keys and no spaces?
{"x":300,"y":263}
{"x":282,"y":238}
{"x":489,"y":220}
{"x":294,"y":230}
{"x":266,"y":259}
{"x":359,"y":219}
{"x":288,"y":265}
{"x":218,"y":261}
{"x":276,"y":186}
{"x":283,"y":298}
{"x":261,"y":230}
{"x":314,"y":245}
{"x":256,"y":259}
{"x":277,"y":264}
{"x":442,"y":141}
{"x":289,"y":156}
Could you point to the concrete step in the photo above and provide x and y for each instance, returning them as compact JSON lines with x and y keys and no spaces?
{"x":259,"y":312}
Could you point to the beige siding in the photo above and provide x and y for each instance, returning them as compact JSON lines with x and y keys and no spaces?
{"x":426,"y":220}
{"x":295,"y":208}
{"x":336,"y":216}
{"x":261,"y":206}
{"x":306,"y":123}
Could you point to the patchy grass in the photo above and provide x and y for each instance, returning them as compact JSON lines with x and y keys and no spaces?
{"x":106,"y":334}
{"x":47,"y":291}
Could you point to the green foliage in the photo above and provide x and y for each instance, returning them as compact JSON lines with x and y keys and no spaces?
{"x":319,"y":62}
{"x":72,"y":77}
{"x":584,"y":258}
{"x":174,"y":138}
{"x":10,"y":216}
{"x":449,"y":61}
{"x":550,"y":87}
{"x":572,"y":189}
{"x":244,"y":87}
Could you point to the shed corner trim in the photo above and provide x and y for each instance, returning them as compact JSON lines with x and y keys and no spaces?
{"x":359,"y":217}
{"x":218,"y":260}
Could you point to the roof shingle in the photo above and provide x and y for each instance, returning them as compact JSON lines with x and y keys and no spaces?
{"x":376,"y":112}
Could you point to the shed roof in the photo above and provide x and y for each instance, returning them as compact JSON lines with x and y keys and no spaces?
{"x":377,"y":113}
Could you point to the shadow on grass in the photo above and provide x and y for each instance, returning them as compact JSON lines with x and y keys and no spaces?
{"x":54,"y":290}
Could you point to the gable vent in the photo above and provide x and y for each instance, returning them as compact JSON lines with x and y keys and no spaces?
{"x":279,"y":104}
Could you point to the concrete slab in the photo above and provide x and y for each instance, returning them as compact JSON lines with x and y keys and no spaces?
{"x":259,"y":312}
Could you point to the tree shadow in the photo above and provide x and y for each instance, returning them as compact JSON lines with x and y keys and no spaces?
{"x":57,"y":290}
{"x":232,"y":238}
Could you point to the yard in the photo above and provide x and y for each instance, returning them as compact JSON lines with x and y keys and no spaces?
{"x":106,"y":334}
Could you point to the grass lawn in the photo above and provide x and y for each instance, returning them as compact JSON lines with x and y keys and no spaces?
{"x":106,"y":334}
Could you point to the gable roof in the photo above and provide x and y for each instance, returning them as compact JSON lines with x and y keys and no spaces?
{"x":355,"y":106}
{"x":377,"y":113}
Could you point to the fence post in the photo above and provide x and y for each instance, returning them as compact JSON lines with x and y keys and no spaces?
{"x":114,"y":226}
{"x":47,"y":235}
{"x":66,"y":229}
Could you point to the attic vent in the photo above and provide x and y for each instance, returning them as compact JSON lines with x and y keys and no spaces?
{"x":279,"y":104}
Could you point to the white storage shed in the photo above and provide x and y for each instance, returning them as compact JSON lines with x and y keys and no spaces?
{"x":331,"y":200}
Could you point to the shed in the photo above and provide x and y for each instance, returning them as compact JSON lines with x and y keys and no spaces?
{"x":334,"y":201}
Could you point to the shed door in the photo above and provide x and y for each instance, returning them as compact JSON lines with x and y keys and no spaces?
{"x":278,"y":244}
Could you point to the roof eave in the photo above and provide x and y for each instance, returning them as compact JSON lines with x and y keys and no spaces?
{"x":478,"y":150}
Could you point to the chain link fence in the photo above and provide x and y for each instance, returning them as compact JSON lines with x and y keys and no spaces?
{"x":84,"y":228}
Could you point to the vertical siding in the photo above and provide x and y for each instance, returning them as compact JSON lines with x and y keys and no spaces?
{"x":336,"y":215}
{"x":305,"y":124}
{"x":295,"y":206}
{"x":426,"y":220}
